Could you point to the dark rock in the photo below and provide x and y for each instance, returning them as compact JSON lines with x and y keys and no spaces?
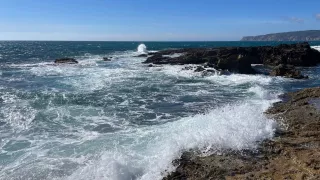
{"x":287,"y":71}
{"x":66,"y":61}
{"x":107,"y":59}
{"x":199,"y":69}
{"x":239,"y":59}
{"x":223,"y":72}
{"x":142,"y":55}
{"x":150,"y":65}
{"x":188,"y":68}
{"x":208,"y":72}
{"x":190,"y":56}
{"x":236,"y":63}
{"x":300,"y":54}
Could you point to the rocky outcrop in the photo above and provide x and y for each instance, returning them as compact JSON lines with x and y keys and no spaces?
{"x":66,"y":61}
{"x":239,"y":59}
{"x":292,"y":154}
{"x":288,"y":71}
{"x":300,"y":54}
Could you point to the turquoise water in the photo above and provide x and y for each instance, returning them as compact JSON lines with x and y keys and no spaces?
{"x":122,"y":119}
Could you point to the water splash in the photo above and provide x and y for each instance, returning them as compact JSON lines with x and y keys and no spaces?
{"x":142,"y":48}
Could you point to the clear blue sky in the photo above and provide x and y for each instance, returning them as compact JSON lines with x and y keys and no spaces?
{"x":142,"y":20}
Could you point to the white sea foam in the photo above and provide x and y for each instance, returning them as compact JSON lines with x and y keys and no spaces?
{"x":142,"y":48}
{"x":16,"y":112}
{"x":134,"y":152}
{"x":152,"y":149}
{"x":316,"y":47}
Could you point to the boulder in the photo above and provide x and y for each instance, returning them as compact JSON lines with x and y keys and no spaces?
{"x":288,"y":71}
{"x":208,"y":72}
{"x":199,"y":69}
{"x":66,"y":61}
{"x":236,"y":63}
{"x":188,"y":68}
{"x":107,"y":59}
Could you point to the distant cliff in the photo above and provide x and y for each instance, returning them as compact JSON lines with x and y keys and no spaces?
{"x":312,"y":35}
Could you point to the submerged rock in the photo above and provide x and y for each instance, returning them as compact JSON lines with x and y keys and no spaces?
{"x":66,"y":61}
{"x":209,"y":72}
{"x":287,"y":71}
{"x":107,"y":58}
{"x":199,"y":69}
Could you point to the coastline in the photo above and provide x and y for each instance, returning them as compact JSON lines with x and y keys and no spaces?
{"x":291,"y":154}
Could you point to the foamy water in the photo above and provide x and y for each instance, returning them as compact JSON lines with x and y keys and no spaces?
{"x":316,"y":47}
{"x":123,"y":120}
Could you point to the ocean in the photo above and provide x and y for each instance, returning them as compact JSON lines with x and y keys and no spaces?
{"x":123,"y":120}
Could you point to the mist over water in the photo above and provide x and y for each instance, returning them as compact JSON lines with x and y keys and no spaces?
{"x":121,"y":119}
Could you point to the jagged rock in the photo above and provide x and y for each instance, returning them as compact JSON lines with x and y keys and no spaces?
{"x":199,"y":69}
{"x":288,"y":71}
{"x":66,"y":61}
{"x":107,"y":59}
{"x":239,"y":59}
{"x":237,"y":63}
{"x":188,"y":68}
{"x":300,"y":54}
{"x":223,"y":72}
{"x":208,"y":72}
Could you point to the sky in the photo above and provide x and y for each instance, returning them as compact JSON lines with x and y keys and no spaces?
{"x":153,"y":20}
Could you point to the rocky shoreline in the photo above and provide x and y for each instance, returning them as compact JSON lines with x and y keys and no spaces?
{"x":283,"y":58}
{"x":294,"y":153}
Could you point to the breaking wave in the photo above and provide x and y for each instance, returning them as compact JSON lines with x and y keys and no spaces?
{"x":123,"y":120}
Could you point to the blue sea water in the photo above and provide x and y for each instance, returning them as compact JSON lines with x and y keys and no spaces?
{"x":122,"y":119}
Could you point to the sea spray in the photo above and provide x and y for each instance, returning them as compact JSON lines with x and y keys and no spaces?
{"x":142,"y":48}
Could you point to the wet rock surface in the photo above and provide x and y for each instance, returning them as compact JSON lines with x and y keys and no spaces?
{"x":66,"y":61}
{"x":142,"y":55}
{"x":106,"y":58}
{"x":293,"y":154}
{"x":288,"y":71}
{"x":239,"y":59}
